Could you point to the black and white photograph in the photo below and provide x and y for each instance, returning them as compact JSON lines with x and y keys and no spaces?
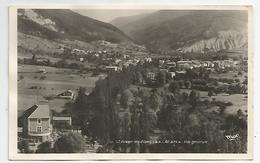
{"x":131,"y":80}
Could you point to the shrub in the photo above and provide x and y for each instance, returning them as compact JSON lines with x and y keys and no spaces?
{"x":229,"y":104}
{"x":45,"y":147}
{"x":70,"y":143}
{"x":23,"y":146}
{"x":21,"y":77}
{"x":49,"y":97}
{"x":33,"y":87}
{"x":42,"y":77}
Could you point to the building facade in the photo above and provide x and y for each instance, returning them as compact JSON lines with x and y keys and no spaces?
{"x":36,"y":123}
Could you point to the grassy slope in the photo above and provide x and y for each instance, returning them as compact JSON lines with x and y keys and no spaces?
{"x":57,"y":80}
{"x":75,"y":27}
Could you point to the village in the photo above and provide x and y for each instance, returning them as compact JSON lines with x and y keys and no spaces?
{"x":39,"y":123}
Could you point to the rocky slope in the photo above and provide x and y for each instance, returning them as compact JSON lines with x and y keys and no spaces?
{"x":66,"y":24}
{"x":225,"y":40}
{"x":189,"y":31}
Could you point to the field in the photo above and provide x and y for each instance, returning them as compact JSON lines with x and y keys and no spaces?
{"x":239,"y":101}
{"x":34,"y":87}
{"x":229,"y":75}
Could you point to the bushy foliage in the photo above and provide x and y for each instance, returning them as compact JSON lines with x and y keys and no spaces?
{"x":70,"y":143}
{"x":44,"y":147}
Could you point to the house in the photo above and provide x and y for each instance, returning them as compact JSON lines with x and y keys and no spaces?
{"x":150,"y":75}
{"x":117,"y":61}
{"x":180,"y":73}
{"x":172,"y":74}
{"x":42,"y":70}
{"x":36,"y":124}
{"x":148,"y":59}
{"x":196,"y":63}
{"x":78,"y":52}
{"x":171,"y":64}
{"x":126,"y":56}
{"x":161,"y":62}
{"x":69,"y":94}
{"x":61,"y":121}
{"x":164,"y":70}
{"x":184,"y":64}
{"x":112,"y":68}
{"x":81,"y":59}
{"x":126,"y":65}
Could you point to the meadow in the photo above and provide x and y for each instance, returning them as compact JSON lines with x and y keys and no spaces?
{"x":35,"y":87}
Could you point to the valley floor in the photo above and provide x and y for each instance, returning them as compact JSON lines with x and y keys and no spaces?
{"x":35,"y":87}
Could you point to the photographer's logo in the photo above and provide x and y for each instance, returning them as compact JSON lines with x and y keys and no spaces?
{"x":232,"y":137}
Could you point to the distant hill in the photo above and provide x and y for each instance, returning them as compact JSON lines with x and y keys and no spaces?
{"x":66,"y":24}
{"x":188,"y":30}
{"x":122,"y":22}
{"x":133,"y":25}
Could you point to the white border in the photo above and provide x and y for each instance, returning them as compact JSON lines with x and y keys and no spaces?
{"x":13,"y":155}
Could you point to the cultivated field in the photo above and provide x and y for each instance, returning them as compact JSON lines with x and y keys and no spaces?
{"x":239,"y":101}
{"x":34,"y":87}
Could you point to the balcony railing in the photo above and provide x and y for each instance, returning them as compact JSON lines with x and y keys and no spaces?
{"x":43,"y":133}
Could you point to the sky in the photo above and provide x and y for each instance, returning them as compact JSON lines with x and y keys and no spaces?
{"x":107,"y":15}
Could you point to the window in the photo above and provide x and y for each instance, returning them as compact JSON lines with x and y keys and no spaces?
{"x":39,"y":121}
{"x":39,"y":129}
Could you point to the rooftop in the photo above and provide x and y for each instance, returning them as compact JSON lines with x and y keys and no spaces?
{"x":38,"y":111}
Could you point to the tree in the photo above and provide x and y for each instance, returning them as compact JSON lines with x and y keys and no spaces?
{"x":81,"y":99}
{"x":23,"y":146}
{"x":187,"y":84}
{"x":194,"y":97}
{"x":185,"y":96}
{"x":154,"y":101}
{"x":181,"y":84}
{"x":161,"y":79}
{"x":239,"y":113}
{"x":210,"y":93}
{"x":222,"y":110}
{"x":61,"y":63}
{"x":70,"y":143}
{"x":126,"y":98}
{"x":45,"y":147}
{"x":245,"y":81}
{"x":21,"y":77}
{"x":34,"y":59}
{"x":174,"y":87}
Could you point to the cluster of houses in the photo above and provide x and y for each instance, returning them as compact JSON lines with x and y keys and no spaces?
{"x":118,"y":64}
{"x":191,"y":64}
{"x":178,"y":68}
{"x":174,"y":67}
{"x":104,"y":53}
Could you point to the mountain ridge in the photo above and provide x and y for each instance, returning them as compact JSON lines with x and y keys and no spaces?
{"x":63,"y":23}
{"x":190,"y":30}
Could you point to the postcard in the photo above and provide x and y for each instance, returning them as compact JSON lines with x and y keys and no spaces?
{"x":123,"y":82}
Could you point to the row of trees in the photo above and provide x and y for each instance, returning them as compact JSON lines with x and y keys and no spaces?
{"x":114,"y":112}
